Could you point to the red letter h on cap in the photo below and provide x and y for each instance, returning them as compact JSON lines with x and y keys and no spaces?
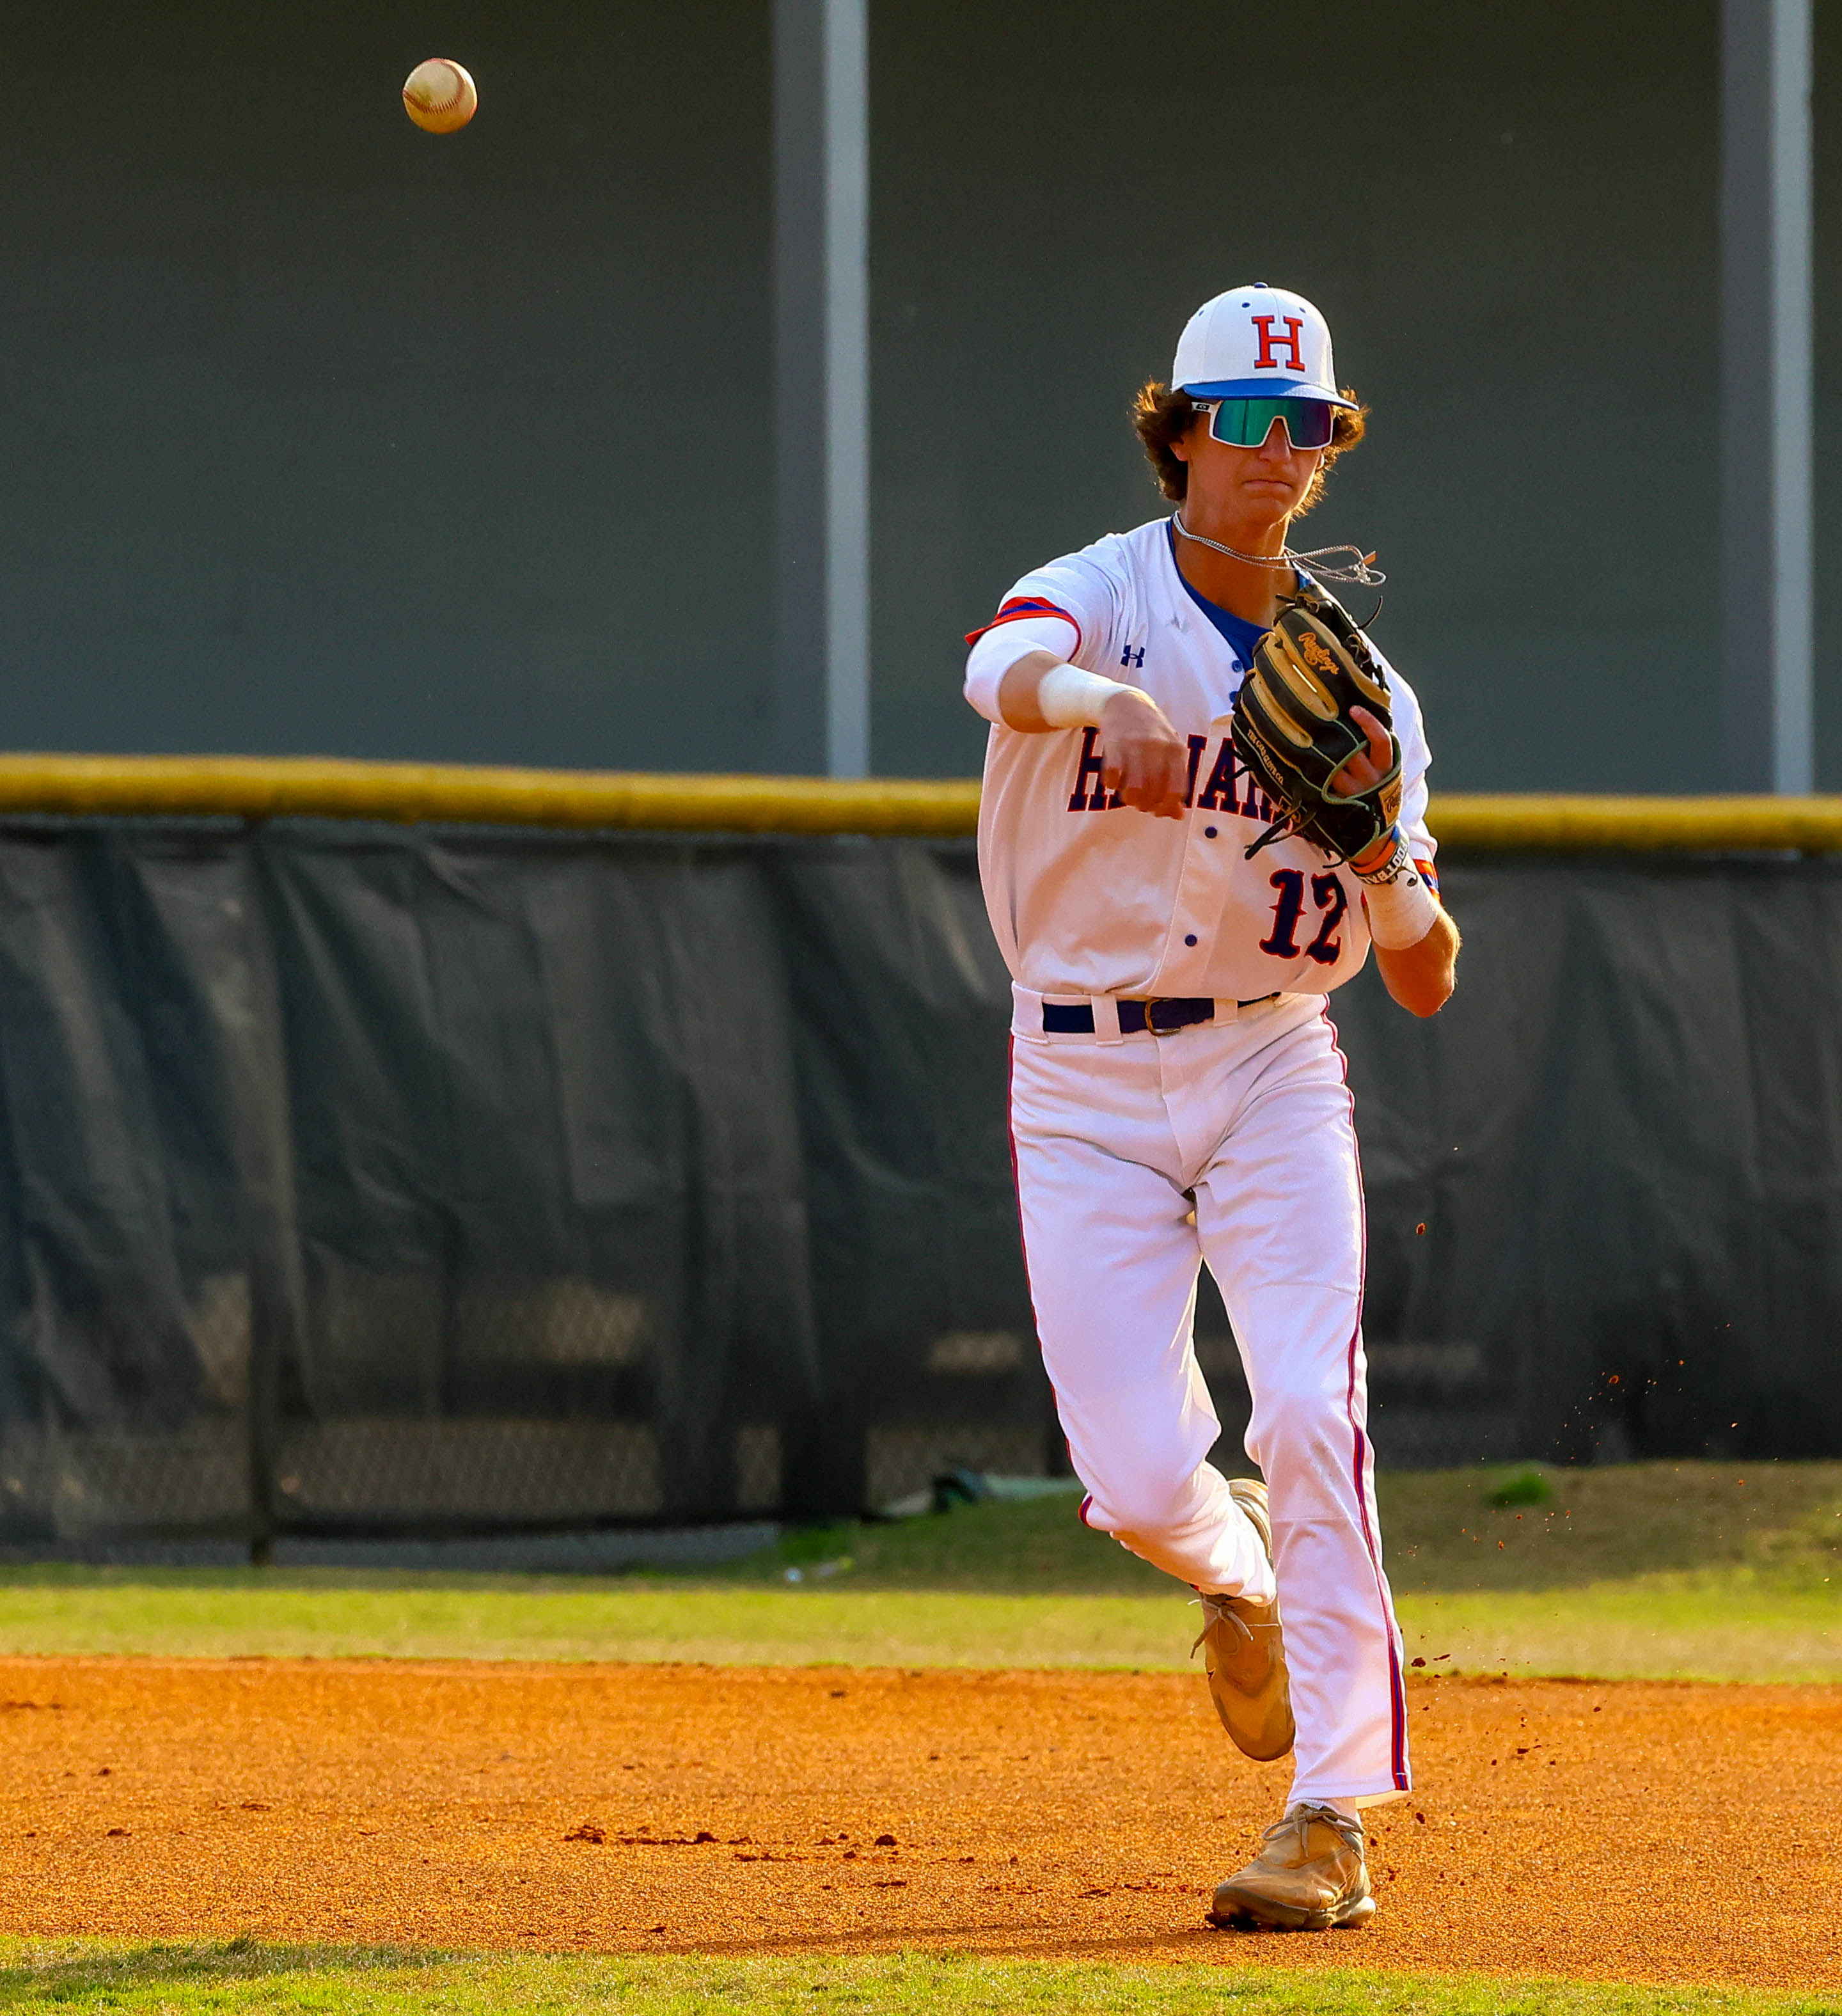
{"x":1266,"y":361}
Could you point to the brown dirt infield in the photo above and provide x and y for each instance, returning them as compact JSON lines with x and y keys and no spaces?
{"x":1609,"y":1830}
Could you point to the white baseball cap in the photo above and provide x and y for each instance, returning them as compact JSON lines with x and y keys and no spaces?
{"x":1256,"y":342}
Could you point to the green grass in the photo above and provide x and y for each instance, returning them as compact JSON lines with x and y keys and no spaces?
{"x":1681,"y":1627}
{"x":229,"y":1613}
{"x":1599,"y":1525}
{"x":1782,"y":1522}
{"x":244,"y":1975}
{"x":1670,"y":1571}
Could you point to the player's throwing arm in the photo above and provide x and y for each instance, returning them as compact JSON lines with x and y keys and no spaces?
{"x":1205,"y":801}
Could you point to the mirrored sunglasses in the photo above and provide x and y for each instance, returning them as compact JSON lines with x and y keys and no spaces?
{"x":1246,"y":422}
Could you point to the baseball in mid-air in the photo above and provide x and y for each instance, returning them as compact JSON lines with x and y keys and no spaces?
{"x":439,"y":96}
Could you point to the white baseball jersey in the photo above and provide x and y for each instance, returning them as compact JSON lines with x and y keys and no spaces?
{"x":1088,"y":897}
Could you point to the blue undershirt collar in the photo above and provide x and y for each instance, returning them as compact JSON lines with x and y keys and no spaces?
{"x":1242,"y":635}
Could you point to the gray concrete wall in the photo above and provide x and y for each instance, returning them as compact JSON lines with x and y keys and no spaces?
{"x":317,"y":433}
{"x":1509,"y":216}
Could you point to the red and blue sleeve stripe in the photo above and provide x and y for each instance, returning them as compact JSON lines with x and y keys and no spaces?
{"x":1018,"y":609}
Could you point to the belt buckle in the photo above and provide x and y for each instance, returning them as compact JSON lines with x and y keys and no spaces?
{"x":1175,"y":1028}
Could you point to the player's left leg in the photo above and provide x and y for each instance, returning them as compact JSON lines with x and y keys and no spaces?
{"x":1279,"y":1212}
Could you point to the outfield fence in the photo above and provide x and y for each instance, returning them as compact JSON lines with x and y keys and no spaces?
{"x":390,"y":1149}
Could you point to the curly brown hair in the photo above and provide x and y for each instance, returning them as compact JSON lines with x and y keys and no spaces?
{"x":1162,"y":417}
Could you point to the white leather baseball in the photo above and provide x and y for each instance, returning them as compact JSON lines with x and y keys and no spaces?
{"x":439,"y":96}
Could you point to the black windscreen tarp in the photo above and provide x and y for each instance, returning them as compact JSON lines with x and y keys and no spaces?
{"x":366,"y":1179}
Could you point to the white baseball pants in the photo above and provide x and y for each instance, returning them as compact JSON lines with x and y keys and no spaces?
{"x":1253,"y":1117}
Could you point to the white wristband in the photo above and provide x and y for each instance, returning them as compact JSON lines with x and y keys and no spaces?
{"x":1401,"y":908}
{"x":1068,"y":698}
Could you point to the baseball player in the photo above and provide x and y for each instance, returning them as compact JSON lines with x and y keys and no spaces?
{"x":1205,"y":801}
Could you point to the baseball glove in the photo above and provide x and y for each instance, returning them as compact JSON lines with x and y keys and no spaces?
{"x":1292,"y":727}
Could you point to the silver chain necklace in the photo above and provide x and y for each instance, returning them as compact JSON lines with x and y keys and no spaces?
{"x":1361,"y":569}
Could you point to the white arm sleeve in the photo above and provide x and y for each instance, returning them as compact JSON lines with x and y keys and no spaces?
{"x":1000,"y":647}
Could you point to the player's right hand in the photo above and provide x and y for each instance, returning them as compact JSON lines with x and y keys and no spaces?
{"x":1146,"y":758}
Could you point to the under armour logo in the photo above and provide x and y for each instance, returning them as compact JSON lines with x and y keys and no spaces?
{"x":1133,"y":659}
{"x":1267,"y":361}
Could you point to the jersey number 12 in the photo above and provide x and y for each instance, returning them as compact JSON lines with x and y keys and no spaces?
{"x":1327,"y":895}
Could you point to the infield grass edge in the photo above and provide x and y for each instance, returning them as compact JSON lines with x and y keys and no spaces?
{"x":230,"y":1978}
{"x":1731,"y":1627}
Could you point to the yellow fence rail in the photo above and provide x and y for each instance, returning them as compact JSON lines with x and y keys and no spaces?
{"x":315,"y":787}
{"x":312,"y":787}
{"x":1573,"y":825}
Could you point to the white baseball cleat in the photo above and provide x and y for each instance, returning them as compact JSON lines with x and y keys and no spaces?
{"x":1245,"y":1654}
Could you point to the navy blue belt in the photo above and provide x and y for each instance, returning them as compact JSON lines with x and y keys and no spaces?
{"x":1162,"y":1018}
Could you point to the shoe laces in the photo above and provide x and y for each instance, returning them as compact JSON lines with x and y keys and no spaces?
{"x":1214,"y":1609}
{"x":1295,"y":1819}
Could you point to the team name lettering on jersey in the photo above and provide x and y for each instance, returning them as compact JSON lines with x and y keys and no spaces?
{"x":1230,"y":787}
{"x":1091,"y":763}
